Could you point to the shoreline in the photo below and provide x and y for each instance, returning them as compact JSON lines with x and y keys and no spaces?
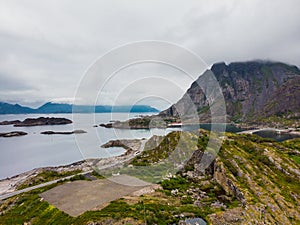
{"x":136,"y":146}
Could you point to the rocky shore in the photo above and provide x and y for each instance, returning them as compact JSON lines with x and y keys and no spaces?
{"x":133,"y":147}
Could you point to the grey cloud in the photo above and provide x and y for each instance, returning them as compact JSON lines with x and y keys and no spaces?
{"x":47,"y":46}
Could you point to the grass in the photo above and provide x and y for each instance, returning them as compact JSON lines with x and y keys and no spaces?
{"x":296,"y":159}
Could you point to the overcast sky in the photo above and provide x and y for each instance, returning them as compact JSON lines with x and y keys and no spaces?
{"x":46,"y":46}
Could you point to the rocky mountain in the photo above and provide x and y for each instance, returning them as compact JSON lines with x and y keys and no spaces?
{"x":254,"y":90}
{"x":49,"y":107}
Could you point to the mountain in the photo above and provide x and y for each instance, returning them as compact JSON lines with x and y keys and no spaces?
{"x":50,"y":107}
{"x":6,"y":108}
{"x":253,"y":91}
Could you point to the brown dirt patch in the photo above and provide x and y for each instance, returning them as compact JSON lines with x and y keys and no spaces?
{"x":76,"y":197}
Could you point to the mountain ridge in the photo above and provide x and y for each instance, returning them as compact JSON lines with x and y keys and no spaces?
{"x":49,"y":107}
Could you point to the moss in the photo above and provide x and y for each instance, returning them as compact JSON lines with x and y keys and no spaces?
{"x":179,"y":183}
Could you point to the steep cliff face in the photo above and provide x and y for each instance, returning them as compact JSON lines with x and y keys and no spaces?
{"x":251,"y":90}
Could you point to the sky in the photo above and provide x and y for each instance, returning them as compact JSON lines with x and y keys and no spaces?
{"x":47,"y":47}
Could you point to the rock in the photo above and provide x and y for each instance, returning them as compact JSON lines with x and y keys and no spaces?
{"x":13,"y":134}
{"x":174,"y":192}
{"x":227,"y":184}
{"x":108,"y":125}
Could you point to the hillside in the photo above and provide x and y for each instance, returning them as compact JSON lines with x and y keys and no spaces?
{"x":253,"y":91}
{"x":251,"y":181}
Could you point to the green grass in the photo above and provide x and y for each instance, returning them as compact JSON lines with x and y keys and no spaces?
{"x":296,"y":159}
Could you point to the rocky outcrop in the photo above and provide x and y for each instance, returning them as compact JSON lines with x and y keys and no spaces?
{"x":13,"y":134}
{"x":228,"y":185}
{"x":216,"y":171}
{"x":130,"y":146}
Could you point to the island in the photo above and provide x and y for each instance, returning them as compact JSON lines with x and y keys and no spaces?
{"x":41,"y":121}
{"x":50,"y":132}
{"x":13,"y":134}
{"x":11,"y":122}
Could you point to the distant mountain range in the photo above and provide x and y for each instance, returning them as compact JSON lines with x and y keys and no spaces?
{"x":254,"y":91}
{"x":6,"y":108}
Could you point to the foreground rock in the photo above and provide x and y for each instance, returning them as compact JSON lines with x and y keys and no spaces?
{"x":13,"y":134}
{"x":49,"y":132}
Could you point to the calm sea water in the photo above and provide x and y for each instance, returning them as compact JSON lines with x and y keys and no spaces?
{"x":276,"y":136}
{"x":20,"y":154}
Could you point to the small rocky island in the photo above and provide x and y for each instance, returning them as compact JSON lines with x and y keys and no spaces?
{"x":41,"y":121}
{"x":13,"y":134}
{"x":50,"y":132}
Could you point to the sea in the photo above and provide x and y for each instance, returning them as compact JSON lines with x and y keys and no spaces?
{"x":23,"y":153}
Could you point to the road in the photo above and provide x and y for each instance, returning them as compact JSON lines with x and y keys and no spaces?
{"x":8,"y":195}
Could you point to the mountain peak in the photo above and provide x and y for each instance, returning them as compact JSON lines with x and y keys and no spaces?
{"x":253,"y":90}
